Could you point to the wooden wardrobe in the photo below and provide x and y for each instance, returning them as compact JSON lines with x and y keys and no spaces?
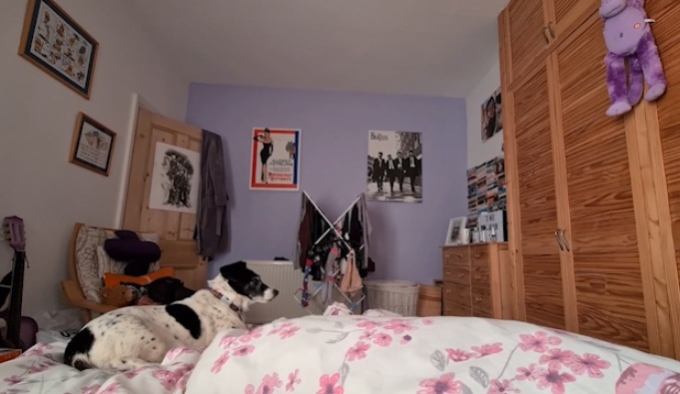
{"x":593,"y":201}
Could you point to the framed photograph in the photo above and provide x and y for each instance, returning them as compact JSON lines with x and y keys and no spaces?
{"x":275,"y":159}
{"x":395,"y":166}
{"x":56,"y":44}
{"x":455,"y":235}
{"x":492,"y":115}
{"x":92,"y":145}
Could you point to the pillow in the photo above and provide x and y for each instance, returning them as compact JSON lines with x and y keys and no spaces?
{"x":112,"y":280}
{"x":107,"y":265}
{"x":87,"y":240}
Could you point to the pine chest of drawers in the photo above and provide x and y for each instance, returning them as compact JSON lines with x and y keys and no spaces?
{"x":478,"y":281}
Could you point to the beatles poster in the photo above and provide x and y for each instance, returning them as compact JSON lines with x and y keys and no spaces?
{"x":175,"y":179}
{"x":395,"y":162}
{"x":275,"y":159}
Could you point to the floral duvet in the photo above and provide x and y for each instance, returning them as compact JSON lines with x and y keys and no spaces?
{"x":374,"y":353}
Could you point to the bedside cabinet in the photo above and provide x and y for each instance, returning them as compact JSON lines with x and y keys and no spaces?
{"x":477,"y":281}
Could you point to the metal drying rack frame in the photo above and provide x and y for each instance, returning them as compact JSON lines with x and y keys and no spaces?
{"x":330,"y":284}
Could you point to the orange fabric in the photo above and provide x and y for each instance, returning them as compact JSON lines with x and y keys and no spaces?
{"x":112,"y":280}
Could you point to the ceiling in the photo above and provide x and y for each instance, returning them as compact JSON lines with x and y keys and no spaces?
{"x":420,"y":47}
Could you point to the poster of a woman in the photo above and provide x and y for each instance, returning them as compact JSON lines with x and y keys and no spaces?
{"x":275,"y":159}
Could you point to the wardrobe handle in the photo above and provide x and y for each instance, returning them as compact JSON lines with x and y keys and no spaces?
{"x":559,"y":241}
{"x":545,"y":35}
{"x":564,"y":240}
{"x":550,"y":29}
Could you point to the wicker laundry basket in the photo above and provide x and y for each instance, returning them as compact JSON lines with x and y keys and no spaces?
{"x":396,"y":296}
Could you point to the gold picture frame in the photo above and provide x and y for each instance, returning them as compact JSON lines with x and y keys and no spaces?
{"x":52,"y":41}
{"x":92,"y":145}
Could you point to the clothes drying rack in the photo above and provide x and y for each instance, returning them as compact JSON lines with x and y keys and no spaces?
{"x":329,"y":283}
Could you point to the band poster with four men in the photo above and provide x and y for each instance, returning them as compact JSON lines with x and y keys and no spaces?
{"x":395,"y":162}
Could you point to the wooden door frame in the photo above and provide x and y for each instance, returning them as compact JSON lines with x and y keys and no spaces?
{"x":511,"y":171}
{"x":138,"y":102}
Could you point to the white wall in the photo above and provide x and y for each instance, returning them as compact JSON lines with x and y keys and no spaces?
{"x":479,"y":151}
{"x":37,"y":118}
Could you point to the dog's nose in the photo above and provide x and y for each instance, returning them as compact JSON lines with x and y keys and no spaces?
{"x":276,"y":292}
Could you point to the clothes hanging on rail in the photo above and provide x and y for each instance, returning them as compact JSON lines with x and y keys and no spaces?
{"x":351,"y":281}
{"x":356,"y":229}
{"x":333,"y":252}
{"x":312,"y":227}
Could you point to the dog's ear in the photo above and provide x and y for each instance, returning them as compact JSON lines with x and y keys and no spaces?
{"x":233,"y":270}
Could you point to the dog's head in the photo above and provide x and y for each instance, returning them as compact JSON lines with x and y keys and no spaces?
{"x":239,"y":281}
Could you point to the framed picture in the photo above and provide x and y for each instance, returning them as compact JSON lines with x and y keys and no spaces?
{"x":92,"y":145}
{"x":275,"y":159}
{"x":56,"y":44}
{"x":395,"y":166}
{"x":492,"y":115}
{"x":455,"y":235}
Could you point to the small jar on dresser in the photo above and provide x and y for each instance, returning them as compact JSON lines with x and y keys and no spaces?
{"x":478,"y":281}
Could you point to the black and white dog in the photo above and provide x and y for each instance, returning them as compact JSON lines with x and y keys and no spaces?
{"x":136,"y":336}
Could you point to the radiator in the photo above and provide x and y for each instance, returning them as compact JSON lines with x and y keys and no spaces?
{"x":287,"y":280}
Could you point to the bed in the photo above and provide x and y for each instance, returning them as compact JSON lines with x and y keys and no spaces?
{"x":377,"y":352}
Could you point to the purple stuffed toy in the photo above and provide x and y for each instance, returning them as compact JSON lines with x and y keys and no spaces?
{"x":628,"y":36}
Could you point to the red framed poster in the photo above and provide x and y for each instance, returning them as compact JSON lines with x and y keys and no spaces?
{"x":275,"y":159}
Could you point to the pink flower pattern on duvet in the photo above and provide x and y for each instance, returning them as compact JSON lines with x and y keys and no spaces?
{"x":268,"y":385}
{"x":445,"y":384}
{"x":329,"y":384}
{"x":534,"y":360}
{"x":41,"y":369}
{"x":381,"y":354}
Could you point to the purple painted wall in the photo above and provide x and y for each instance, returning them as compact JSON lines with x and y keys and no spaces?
{"x":406,"y":237}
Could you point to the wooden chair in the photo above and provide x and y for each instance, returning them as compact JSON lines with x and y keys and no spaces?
{"x":190,"y":268}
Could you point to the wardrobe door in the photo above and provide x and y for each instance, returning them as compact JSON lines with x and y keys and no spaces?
{"x":667,"y":34}
{"x":603,"y":235}
{"x":569,"y":14}
{"x":528,"y":40}
{"x":538,"y":251}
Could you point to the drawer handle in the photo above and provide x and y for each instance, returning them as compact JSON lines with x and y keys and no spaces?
{"x":477,"y":255}
{"x":478,"y":299}
{"x":460,"y":274}
{"x":478,"y":277}
{"x":448,"y":291}
{"x":447,"y":256}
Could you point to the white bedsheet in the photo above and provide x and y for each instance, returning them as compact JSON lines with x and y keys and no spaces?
{"x":356,"y":355}
{"x":41,"y":370}
{"x":369,"y":355}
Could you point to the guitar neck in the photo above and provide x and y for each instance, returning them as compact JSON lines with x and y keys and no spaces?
{"x":14,"y":318}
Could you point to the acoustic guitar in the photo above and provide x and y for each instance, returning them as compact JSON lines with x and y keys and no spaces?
{"x":13,"y":228}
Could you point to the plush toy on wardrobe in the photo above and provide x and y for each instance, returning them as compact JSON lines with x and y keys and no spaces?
{"x":628,"y":35}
